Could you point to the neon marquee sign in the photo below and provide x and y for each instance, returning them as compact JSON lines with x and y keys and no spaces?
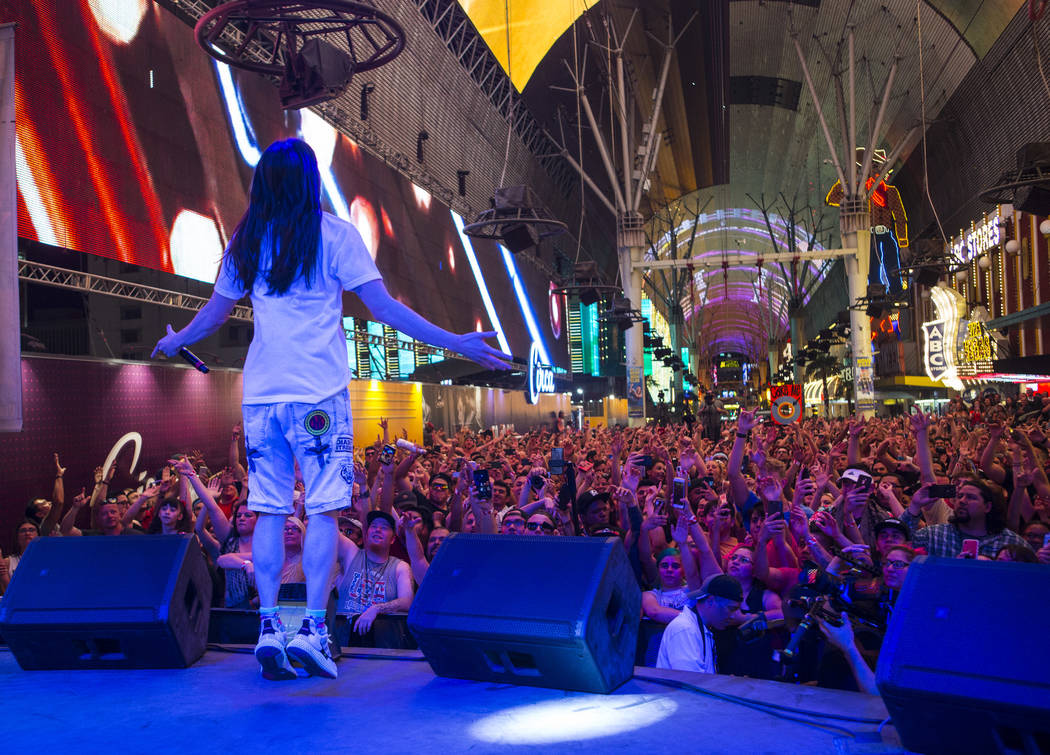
{"x":941,"y":335}
{"x":540,"y":376}
{"x":981,"y":237}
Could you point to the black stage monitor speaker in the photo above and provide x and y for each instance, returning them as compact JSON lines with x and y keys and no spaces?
{"x":963,"y":668}
{"x":108,"y":602}
{"x":545,"y":611}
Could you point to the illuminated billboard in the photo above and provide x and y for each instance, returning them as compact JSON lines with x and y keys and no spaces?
{"x":134,"y":144}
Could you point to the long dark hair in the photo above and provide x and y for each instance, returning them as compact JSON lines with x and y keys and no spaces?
{"x":285,"y":202}
{"x":995,"y":520}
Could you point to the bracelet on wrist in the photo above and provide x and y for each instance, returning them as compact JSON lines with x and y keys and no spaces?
{"x":742,"y":435}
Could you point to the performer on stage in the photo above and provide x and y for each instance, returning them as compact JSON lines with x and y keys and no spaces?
{"x":295,"y":261}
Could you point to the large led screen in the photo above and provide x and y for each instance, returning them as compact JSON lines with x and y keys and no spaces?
{"x":134,"y":144}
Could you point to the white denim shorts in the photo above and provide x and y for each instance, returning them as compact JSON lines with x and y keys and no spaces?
{"x":319,"y":435}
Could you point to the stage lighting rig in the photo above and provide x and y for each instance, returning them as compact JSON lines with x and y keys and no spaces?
{"x":621,"y":314}
{"x":312,"y":48}
{"x":586,"y":283}
{"x":1027,"y":187}
{"x":517,"y":218}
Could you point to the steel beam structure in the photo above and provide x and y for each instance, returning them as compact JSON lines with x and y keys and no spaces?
{"x":89,"y":283}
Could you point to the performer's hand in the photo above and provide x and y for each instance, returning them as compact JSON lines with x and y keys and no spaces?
{"x":169,"y":344}
{"x":473,"y":347}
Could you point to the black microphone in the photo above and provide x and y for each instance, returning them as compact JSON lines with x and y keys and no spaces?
{"x":193,"y":359}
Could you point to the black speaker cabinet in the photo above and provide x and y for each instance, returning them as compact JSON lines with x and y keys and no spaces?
{"x":108,"y":602}
{"x":545,"y":611}
{"x":964,"y":667}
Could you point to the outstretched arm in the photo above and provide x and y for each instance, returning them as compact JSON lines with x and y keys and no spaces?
{"x":389,"y":310}
{"x":204,"y":323}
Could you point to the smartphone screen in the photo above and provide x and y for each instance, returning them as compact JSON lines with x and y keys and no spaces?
{"x":677,"y":491}
{"x":804,"y":474}
{"x":388,"y":455}
{"x":483,"y":484}
{"x":969,"y":549}
{"x":660,"y":506}
{"x":557,"y":465}
{"x":774,"y":507}
{"x":942,"y":491}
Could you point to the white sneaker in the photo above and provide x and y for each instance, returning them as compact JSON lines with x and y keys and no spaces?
{"x":270,"y":651}
{"x":310,"y":648}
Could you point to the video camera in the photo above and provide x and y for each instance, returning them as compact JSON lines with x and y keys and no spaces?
{"x":826,"y":596}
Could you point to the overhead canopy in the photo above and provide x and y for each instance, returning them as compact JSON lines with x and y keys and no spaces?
{"x":737,"y":112}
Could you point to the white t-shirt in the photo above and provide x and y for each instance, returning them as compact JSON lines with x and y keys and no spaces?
{"x":298,"y":351}
{"x":684,"y":648}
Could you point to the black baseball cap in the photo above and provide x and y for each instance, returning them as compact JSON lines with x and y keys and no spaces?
{"x":373,"y":515}
{"x":585,"y":501}
{"x":719,"y":586}
{"x":893,"y":523}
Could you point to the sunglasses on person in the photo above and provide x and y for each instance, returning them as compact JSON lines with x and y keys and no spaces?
{"x":545,"y":526}
{"x":439,"y":486}
{"x":899,"y":564}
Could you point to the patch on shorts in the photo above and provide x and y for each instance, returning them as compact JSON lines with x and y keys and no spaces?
{"x":343,"y":444}
{"x":317,"y":422}
{"x":347,"y":473}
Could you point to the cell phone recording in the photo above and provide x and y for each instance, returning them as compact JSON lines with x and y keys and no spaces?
{"x":483,"y":484}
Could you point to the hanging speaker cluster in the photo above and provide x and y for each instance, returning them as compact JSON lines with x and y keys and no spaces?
{"x":517,"y":219}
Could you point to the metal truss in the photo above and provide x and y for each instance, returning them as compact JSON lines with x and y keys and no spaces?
{"x":454,"y":27}
{"x":89,"y":283}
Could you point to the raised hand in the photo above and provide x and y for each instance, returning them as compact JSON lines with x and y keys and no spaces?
{"x":803,"y":487}
{"x":59,"y":469}
{"x":856,"y":426}
{"x":799,"y":524}
{"x":98,"y":475}
{"x":773,"y":527}
{"x":182,"y":466}
{"x":922,"y":497}
{"x":918,"y":421}
{"x":653,"y":521}
{"x":770,"y":488}
{"x":746,"y":421}
{"x":826,"y":523}
{"x":885,"y":491}
{"x":80,"y":499}
{"x":680,"y":530}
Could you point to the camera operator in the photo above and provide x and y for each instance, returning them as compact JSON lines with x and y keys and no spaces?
{"x":688,"y":644}
{"x":841,"y":638}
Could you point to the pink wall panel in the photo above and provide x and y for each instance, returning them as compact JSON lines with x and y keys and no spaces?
{"x":80,"y":408}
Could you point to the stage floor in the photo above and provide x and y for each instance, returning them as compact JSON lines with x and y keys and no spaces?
{"x":388,"y":705}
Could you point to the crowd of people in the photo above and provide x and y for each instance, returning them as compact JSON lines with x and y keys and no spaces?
{"x":738,"y":530}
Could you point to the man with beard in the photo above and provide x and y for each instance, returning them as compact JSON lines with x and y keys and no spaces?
{"x":979,"y":514}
